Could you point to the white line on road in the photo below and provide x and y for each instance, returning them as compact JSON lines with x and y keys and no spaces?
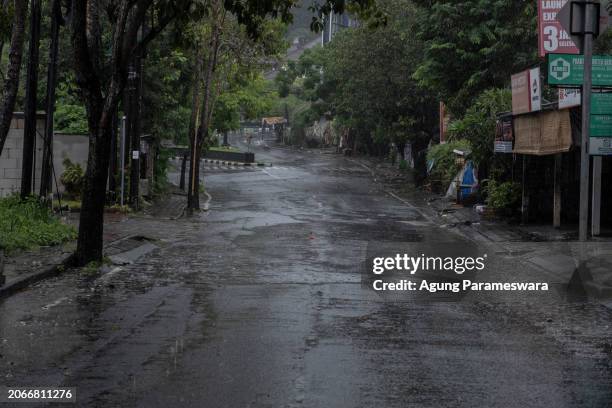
{"x":271,"y":175}
{"x":55,"y":303}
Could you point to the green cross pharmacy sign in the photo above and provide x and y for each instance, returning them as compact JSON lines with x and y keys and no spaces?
{"x":568,"y":70}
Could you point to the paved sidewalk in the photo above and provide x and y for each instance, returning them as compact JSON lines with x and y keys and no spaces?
{"x":27,"y":267}
{"x":585,"y":268}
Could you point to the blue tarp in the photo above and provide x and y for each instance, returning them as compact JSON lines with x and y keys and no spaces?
{"x":469,"y":182}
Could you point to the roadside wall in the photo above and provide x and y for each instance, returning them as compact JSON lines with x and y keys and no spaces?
{"x":75,"y":147}
{"x":12,"y":154}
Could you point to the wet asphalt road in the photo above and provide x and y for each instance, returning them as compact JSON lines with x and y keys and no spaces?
{"x":259,"y":303}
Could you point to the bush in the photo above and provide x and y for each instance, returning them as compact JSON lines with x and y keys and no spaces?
{"x":160,"y":178}
{"x":503,"y":196}
{"x":444,"y":167}
{"x":27,"y":224}
{"x":70,"y":119}
{"x":72,"y":178}
{"x":478,"y":124}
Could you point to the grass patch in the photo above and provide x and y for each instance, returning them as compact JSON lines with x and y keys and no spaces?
{"x":223,"y":149}
{"x":72,"y":205}
{"x":75,"y":206}
{"x":28,"y":224}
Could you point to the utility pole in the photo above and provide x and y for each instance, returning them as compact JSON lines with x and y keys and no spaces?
{"x":29,"y":131}
{"x":590,"y":28}
{"x":134,"y":117}
{"x":133,"y":131}
{"x":122,"y":152}
{"x":112,"y":164}
{"x":56,"y":21}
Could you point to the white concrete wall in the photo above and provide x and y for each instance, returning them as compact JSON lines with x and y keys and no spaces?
{"x":74,"y":147}
{"x":11,"y":158}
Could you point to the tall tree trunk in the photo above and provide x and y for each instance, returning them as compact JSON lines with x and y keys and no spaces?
{"x":11,"y":83}
{"x":193,"y":198}
{"x":193,"y":126}
{"x":31,"y":99}
{"x":46,"y":174}
{"x":101,"y":90}
{"x":91,"y":220}
{"x":100,"y":101}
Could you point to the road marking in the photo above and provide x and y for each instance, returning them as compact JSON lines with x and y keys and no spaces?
{"x":271,"y":175}
{"x":55,"y":303}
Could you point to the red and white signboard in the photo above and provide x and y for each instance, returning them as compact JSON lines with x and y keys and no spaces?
{"x":526,"y":92}
{"x":568,"y":98}
{"x":553,"y":38}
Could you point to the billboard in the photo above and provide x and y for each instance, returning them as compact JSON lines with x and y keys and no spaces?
{"x":568,"y":70}
{"x":552,"y":37}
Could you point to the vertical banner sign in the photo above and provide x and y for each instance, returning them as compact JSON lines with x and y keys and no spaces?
{"x":535,"y":90}
{"x":600,"y":143}
{"x":520,"y":93}
{"x":503,"y":135}
{"x":526,"y":92}
{"x":552,"y":37}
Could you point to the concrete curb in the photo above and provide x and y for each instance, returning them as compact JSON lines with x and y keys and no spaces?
{"x":206,"y":205}
{"x":19,"y":284}
{"x":232,"y":163}
{"x":16,"y":285}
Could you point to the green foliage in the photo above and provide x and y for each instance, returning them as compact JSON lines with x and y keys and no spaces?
{"x":363,"y":79}
{"x":503,"y":196}
{"x":70,"y":116}
{"x":478,"y":124}
{"x":72,"y":178}
{"x":28,"y":224}
{"x":70,"y":119}
{"x":160,"y":178}
{"x":6,"y":21}
{"x":167,"y":91}
{"x":223,"y":149}
{"x":245,"y":98}
{"x":444,"y":167}
{"x":474,"y":45}
{"x":303,"y":77}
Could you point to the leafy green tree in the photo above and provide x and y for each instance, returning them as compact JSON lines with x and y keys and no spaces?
{"x":167,"y":90}
{"x":104,"y":37}
{"x":366,"y":79}
{"x":16,"y":12}
{"x":225,"y":66}
{"x":474,"y":45}
{"x":244,"y":100}
{"x":478,"y":124}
